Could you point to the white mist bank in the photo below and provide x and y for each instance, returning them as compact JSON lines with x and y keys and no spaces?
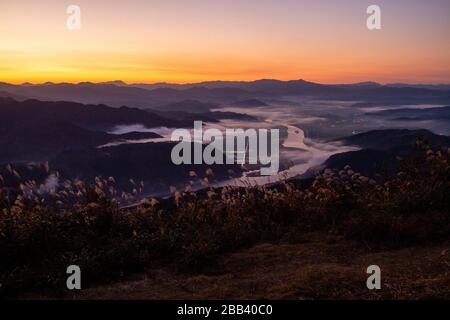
{"x":164,"y":132}
{"x":311,"y":154}
{"x":301,"y":152}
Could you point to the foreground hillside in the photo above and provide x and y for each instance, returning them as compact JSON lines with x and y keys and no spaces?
{"x":194,"y":234}
{"x":319,"y":267}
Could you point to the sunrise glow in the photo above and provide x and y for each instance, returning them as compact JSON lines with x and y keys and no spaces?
{"x":197,"y":40}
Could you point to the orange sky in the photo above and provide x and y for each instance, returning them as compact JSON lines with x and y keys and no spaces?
{"x":196,"y":40}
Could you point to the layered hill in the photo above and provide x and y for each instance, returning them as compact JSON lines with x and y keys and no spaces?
{"x":381,"y":150}
{"x":35,"y":130}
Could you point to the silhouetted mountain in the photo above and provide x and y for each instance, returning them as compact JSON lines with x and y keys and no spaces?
{"x":222,"y":115}
{"x":250,"y":103}
{"x":85,"y":92}
{"x":35,"y":130}
{"x":193,"y":110}
{"x":400,"y":96}
{"x":381,"y":149}
{"x":216,"y":116}
{"x":149,"y":162}
{"x":443,"y":87}
{"x":98,"y":117}
{"x":367,"y":85}
{"x":366,"y":91}
{"x":191,"y":106}
{"x":368,"y":162}
{"x":118,"y":83}
{"x":293,"y":87}
{"x":118,"y":95}
{"x":187,"y":116}
{"x":4,"y":94}
{"x":408,"y":114}
{"x":267,"y":86}
{"x":38,"y":141}
{"x":394,"y":138}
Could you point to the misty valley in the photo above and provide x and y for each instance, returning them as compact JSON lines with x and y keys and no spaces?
{"x":151,"y":189}
{"x":125,"y":131}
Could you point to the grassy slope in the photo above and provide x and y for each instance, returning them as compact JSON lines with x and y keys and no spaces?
{"x":241,"y":243}
{"x":314,"y":269}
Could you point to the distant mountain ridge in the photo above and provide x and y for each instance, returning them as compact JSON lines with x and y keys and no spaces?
{"x":409,"y":114}
{"x":118,"y":93}
{"x":443,"y":87}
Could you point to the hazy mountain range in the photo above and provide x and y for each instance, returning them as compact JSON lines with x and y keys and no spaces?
{"x":118,"y":93}
{"x":252,"y":84}
{"x":407,"y":114}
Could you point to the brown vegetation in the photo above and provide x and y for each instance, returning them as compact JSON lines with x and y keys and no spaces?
{"x":196,"y":234}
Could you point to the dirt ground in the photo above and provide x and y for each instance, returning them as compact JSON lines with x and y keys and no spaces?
{"x":316,"y":269}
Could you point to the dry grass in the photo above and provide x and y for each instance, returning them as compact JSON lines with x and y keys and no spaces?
{"x":316,"y":270}
{"x":41,"y":236}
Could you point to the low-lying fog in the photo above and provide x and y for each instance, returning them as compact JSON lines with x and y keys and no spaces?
{"x":307,"y":127}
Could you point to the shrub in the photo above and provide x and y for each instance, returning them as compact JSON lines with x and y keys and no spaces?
{"x":84,"y":224}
